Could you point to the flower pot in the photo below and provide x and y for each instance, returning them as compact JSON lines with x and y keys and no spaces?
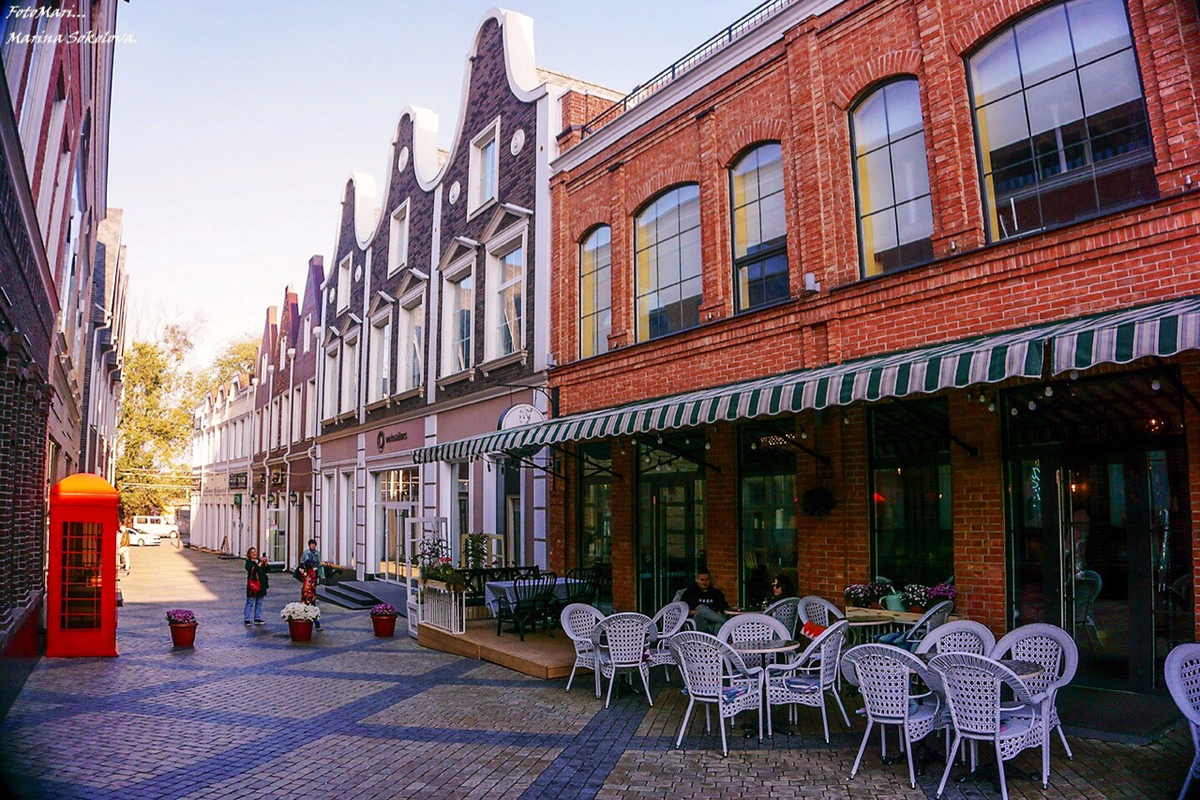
{"x":183,"y":635}
{"x":300,"y":629}
{"x":385,"y":627}
{"x":915,"y":609}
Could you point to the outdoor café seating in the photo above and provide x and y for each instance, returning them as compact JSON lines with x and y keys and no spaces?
{"x":715,"y":674}
{"x":973,"y":685}
{"x":818,"y":610}
{"x":884,"y":673}
{"x":1182,"y":672}
{"x":526,"y":604}
{"x":621,"y":642}
{"x":786,"y":611}
{"x":669,"y":621}
{"x":809,"y":677}
{"x":912,"y":636}
{"x":960,"y":636}
{"x":578,"y":621}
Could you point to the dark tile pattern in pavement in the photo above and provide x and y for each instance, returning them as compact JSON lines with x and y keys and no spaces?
{"x":248,"y":713}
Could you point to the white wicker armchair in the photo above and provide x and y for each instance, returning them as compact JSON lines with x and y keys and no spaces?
{"x":668,"y":621}
{"x":578,"y":621}
{"x":622,"y":643}
{"x":809,"y":678}
{"x":716,"y":675}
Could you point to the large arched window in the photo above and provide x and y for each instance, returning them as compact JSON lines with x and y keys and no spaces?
{"x":1060,"y":119}
{"x":666,"y":246}
{"x":895,"y":218}
{"x":595,"y":292}
{"x":759,"y":227}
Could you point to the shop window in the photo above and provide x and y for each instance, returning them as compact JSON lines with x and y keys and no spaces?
{"x":667,"y":262}
{"x":760,"y":263}
{"x":767,"y":466}
{"x":1060,"y":119}
{"x":895,"y":217}
{"x":595,"y":513}
{"x":595,"y":292}
{"x":912,"y":533}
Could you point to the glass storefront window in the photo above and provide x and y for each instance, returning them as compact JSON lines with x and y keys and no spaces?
{"x":768,"y":514}
{"x":912,"y":518}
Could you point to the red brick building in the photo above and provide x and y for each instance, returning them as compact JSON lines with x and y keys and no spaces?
{"x":899,"y":289}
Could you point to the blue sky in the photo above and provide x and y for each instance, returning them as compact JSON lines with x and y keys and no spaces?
{"x":235,"y":124}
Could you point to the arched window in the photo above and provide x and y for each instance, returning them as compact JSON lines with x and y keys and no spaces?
{"x":595,"y":292}
{"x":1060,"y":119}
{"x":895,"y":218}
{"x":760,"y":268}
{"x":666,"y":246}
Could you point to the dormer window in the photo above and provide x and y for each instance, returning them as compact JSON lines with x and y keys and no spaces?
{"x":343,"y":284}
{"x":485,"y":167}
{"x":398,"y":239}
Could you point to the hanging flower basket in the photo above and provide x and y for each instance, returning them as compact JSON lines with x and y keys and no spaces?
{"x":183,"y":627}
{"x":817,"y":502}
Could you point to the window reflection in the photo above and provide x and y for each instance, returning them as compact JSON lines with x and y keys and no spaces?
{"x":759,"y":227}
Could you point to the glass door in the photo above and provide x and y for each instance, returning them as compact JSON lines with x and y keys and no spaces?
{"x":671,"y":547}
{"x":396,"y":492}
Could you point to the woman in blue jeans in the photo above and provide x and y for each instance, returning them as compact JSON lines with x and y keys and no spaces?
{"x":256,"y":570}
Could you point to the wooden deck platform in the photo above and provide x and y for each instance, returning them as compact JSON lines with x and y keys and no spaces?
{"x":539,"y":655}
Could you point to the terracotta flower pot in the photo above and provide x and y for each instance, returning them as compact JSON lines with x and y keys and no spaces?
{"x":385,"y":626}
{"x":183,"y":635}
{"x":300,"y":629}
{"x":915,"y":609}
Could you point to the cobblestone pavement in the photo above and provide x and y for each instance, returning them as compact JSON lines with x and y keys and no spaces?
{"x":248,"y":713}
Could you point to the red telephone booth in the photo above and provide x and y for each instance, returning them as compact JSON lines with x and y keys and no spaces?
{"x":81,"y":591}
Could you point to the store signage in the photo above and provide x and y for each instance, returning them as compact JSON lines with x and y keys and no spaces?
{"x":237,"y":480}
{"x":520,"y":415}
{"x":384,"y":439}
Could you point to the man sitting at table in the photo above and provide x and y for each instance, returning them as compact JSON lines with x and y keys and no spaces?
{"x":706,"y":602}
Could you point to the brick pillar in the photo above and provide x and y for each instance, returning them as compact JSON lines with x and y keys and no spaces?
{"x":9,"y":401}
{"x":977,"y":488}
{"x":624,"y":523}
{"x":721,"y":524}
{"x":561,"y":515}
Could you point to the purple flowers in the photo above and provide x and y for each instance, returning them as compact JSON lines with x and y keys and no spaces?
{"x":943,"y":591}
{"x":866,"y":594}
{"x":384,"y":610}
{"x":181,"y":616}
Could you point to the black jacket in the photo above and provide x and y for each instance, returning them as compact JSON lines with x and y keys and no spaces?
{"x":256,"y":572}
{"x":712,"y":597}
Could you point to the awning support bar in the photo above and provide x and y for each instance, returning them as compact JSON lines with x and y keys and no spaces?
{"x":791,"y":439}
{"x":584,"y":460}
{"x":970,"y":449}
{"x":528,"y":462}
{"x":679,"y":452}
{"x":1173,"y":379}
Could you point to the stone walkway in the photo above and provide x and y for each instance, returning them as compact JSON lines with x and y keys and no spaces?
{"x":248,"y":713}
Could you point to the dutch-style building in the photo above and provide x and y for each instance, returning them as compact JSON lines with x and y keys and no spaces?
{"x":893,"y":289}
{"x":436,"y":322}
{"x":222,"y":436}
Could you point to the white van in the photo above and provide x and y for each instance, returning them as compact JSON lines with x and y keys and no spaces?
{"x":156,"y":525}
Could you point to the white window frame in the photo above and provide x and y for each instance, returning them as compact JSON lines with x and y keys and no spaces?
{"x":348,"y":369}
{"x":333,"y":372}
{"x":475,"y":197}
{"x":455,"y":274}
{"x":507,"y":243}
{"x":398,"y":238}
{"x":344,"y":282}
{"x":379,"y":357}
{"x":297,"y":414}
{"x":310,"y":410}
{"x":408,"y":304}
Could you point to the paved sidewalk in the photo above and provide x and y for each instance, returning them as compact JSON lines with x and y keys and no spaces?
{"x":248,"y":713}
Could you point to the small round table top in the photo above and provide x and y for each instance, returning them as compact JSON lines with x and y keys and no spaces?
{"x":764,"y":646}
{"x":1023,"y":669}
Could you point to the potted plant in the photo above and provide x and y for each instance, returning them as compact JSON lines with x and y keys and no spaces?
{"x":183,"y":627}
{"x":300,"y":618}
{"x":943,"y":591}
{"x":437,"y":567}
{"x":383,"y":619}
{"x":917,"y":597}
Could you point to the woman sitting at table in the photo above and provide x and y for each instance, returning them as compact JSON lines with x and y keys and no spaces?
{"x":781,"y":589}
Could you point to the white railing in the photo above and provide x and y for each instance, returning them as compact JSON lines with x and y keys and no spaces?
{"x":443,"y":609}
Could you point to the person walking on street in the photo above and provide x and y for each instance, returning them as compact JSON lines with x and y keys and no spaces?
{"x":123,"y":550}
{"x":256,"y":586}
{"x":310,"y":563}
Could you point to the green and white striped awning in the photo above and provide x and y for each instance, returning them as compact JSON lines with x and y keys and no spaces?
{"x":1162,"y":329}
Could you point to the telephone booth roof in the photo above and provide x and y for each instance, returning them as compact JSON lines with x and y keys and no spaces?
{"x":83,"y":489}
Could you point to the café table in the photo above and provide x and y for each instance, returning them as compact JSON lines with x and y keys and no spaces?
{"x":764,"y":647}
{"x":494,"y":590}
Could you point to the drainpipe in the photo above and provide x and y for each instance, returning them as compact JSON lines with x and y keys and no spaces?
{"x":287,"y":455}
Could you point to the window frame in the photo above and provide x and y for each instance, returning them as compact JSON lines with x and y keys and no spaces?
{"x":858,"y":208}
{"x":348,"y":393}
{"x":331,"y":391}
{"x":456,"y":274}
{"x":779,"y":247}
{"x":508,"y":242}
{"x":345,"y":279}
{"x":398,"y":229}
{"x":476,"y":201}
{"x":1010,"y":25}
{"x":601,"y":344}
{"x":637,"y":294}
{"x":379,"y":333}
{"x":408,"y":304}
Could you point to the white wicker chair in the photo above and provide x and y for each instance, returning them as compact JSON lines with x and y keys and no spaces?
{"x":972,"y":684}
{"x":578,"y":621}
{"x":668,"y":621}
{"x":716,"y":675}
{"x":818,"y":610}
{"x":786,"y":611}
{"x":1055,"y":651}
{"x":930,"y":621}
{"x":622,"y":642}
{"x":1182,"y":671}
{"x":883,"y":673}
{"x":806,"y":680}
{"x":752,"y":628}
{"x":960,"y":636}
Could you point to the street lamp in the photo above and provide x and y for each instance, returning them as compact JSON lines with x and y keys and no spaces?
{"x":294,"y":498}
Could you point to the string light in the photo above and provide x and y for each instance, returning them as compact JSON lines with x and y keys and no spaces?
{"x":803,"y":432}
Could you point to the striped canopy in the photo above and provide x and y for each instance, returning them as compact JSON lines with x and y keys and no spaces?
{"x":1162,"y":329}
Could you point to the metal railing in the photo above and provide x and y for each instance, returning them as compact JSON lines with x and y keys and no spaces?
{"x":443,"y":609}
{"x":693,"y":59}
